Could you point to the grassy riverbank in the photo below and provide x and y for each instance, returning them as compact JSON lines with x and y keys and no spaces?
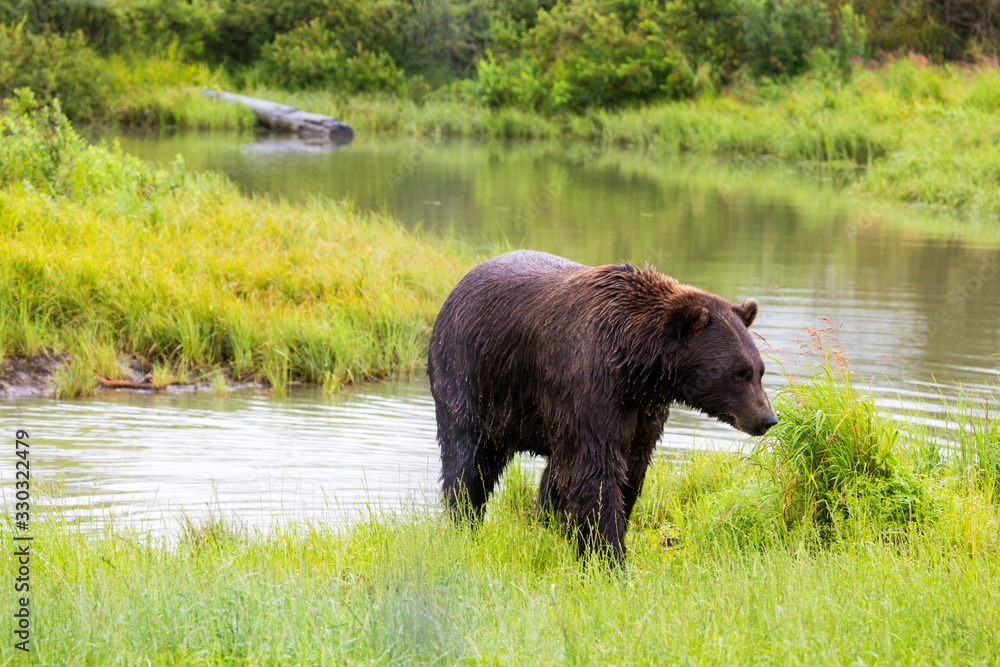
{"x":903,"y":131}
{"x":104,"y":257}
{"x":843,"y":538}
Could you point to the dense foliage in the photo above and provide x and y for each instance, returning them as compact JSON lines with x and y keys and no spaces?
{"x":530,"y":54}
{"x":51,"y":64}
{"x":948,"y":29}
{"x":596,"y":53}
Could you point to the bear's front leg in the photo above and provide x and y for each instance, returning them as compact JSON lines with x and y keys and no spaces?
{"x":548,"y":496}
{"x":590,"y":493}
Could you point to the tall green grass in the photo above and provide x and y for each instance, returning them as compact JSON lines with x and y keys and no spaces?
{"x":977,"y":450}
{"x":836,"y":465}
{"x":158,"y":92}
{"x":101,"y":252}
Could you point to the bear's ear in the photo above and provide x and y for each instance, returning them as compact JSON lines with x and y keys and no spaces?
{"x":695,"y":321}
{"x":747,"y":311}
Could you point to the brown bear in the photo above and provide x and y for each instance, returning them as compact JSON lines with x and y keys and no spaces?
{"x":536,"y":353}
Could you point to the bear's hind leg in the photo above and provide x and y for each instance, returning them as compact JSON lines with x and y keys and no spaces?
{"x":471,"y":465}
{"x":638,"y":462}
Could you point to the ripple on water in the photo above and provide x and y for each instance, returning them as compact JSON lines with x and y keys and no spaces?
{"x":148,"y":457}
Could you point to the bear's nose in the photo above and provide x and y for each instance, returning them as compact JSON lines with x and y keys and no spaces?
{"x":767,"y":423}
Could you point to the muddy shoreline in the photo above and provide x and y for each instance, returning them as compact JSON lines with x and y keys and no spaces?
{"x":29,"y":377}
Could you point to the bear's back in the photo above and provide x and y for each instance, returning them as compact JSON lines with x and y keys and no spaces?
{"x":520,"y":263}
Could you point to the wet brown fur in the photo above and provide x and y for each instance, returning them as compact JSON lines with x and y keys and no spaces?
{"x":535,"y":353}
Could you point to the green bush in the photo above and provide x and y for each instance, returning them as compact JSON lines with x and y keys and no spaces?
{"x":103,"y":23}
{"x":52,"y":65}
{"x":836,"y":458}
{"x":183,"y":29}
{"x":942,"y":29}
{"x":778,"y":37}
{"x":312,"y":57}
{"x":586,"y":54}
{"x":438,"y":40}
{"x":40,"y":149}
{"x":434,"y":39}
{"x":243,"y":27}
{"x":605,"y":54}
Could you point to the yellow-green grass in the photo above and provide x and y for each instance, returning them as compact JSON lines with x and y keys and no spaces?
{"x":152,"y":92}
{"x":102,"y":256}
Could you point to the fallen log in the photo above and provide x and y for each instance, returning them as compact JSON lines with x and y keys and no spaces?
{"x":144,"y":383}
{"x":284,"y":118}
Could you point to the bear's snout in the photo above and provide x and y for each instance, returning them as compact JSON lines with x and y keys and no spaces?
{"x":759,"y":427}
{"x":766,"y":423}
{"x":755,"y":424}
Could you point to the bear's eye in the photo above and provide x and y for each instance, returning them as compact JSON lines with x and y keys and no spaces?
{"x":744,"y":375}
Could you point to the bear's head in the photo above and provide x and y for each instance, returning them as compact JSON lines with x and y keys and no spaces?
{"x":717,"y":367}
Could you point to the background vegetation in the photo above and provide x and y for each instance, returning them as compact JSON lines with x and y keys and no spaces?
{"x":844,"y":538}
{"x":530,"y":54}
{"x":746,"y":78}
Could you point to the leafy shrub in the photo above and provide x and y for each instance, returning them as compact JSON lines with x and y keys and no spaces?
{"x":103,"y":23}
{"x":610,"y":53}
{"x":435,"y":39}
{"x":777,"y":37}
{"x":945,"y":29}
{"x":585,"y":54}
{"x":42,"y":150}
{"x":182,"y":29}
{"x":849,"y":36}
{"x":52,"y":65}
{"x":243,"y":27}
{"x":312,"y":57}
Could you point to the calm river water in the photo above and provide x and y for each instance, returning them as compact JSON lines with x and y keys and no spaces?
{"x":915,"y":298}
